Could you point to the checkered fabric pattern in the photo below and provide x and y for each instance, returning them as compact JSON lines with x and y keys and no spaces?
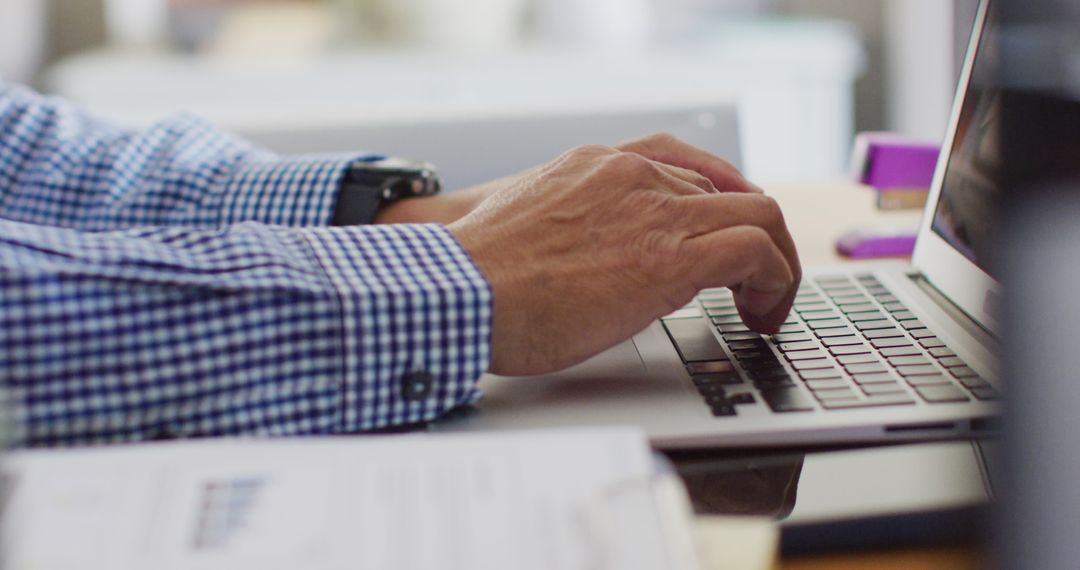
{"x":176,"y":280}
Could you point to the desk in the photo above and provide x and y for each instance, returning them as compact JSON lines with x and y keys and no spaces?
{"x":819,"y":211}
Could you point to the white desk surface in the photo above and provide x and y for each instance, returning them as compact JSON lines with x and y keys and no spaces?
{"x":819,"y":211}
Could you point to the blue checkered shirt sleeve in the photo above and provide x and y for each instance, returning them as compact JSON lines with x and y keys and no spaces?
{"x":176,"y":280}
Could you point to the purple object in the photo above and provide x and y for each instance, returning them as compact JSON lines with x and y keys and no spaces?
{"x":865,"y":243}
{"x":891,"y":162}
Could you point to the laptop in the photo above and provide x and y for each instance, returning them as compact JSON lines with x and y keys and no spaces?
{"x":871,"y":352}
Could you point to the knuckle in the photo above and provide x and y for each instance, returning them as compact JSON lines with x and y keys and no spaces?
{"x":589,"y":151}
{"x":630,"y":163}
{"x":768,"y":210}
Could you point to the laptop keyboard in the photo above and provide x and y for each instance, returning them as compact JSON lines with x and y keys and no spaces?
{"x":849,"y":343}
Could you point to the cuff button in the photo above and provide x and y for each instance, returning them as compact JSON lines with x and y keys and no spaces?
{"x":417,"y":386}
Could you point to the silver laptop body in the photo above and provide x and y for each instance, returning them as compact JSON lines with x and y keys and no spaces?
{"x":920,"y":361}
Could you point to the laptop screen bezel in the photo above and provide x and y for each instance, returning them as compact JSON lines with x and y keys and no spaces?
{"x":968,"y":286}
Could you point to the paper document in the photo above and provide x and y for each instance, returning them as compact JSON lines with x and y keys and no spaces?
{"x":524,"y":500}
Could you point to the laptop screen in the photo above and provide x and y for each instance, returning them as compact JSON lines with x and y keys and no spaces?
{"x":964,"y":215}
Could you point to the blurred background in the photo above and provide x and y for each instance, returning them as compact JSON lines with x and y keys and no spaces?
{"x":506,"y":82}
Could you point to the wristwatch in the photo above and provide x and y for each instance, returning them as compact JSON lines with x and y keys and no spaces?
{"x":371,"y":184}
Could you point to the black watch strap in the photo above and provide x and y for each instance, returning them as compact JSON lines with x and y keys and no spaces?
{"x":372,"y":184}
{"x":356,"y":205}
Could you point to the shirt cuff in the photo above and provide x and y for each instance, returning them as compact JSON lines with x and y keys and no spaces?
{"x":417,"y":319}
{"x":285,"y":191}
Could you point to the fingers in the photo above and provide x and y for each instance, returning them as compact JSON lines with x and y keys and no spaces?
{"x":761,"y":306}
{"x":670,"y":150}
{"x":747,"y":259}
{"x":728,"y":210}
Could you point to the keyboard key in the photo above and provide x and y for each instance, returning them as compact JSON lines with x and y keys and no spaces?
{"x":783,"y":400}
{"x":889,"y":342}
{"x":985,"y":393}
{"x":857,"y":358}
{"x":849,"y":349}
{"x":927,"y":380}
{"x":761,"y":363}
{"x":816,"y":384}
{"x":973,"y":382}
{"x":883,"y":333}
{"x":839,"y":291}
{"x":888,"y":301}
{"x":694,"y":341}
{"x":865,"y":368}
{"x":892,"y":306}
{"x":713,"y":367}
{"x":791,"y":337}
{"x":721,"y":314}
{"x":829,"y":333}
{"x":844,"y":393}
{"x":740,"y":327}
{"x":941,"y":394}
{"x":731,"y":319}
{"x":773,"y":383}
{"x":845,"y":300}
{"x":878,"y":289}
{"x":951,"y":361}
{"x":874,"y":324}
{"x":876,"y":378}
{"x":962,"y":372}
{"x":918,"y":370}
{"x":900,"y":351}
{"x":921,"y":333}
{"x":722,"y":409}
{"x":859,"y":308}
{"x":792,"y":328}
{"x":819,"y":316}
{"x":845,"y":340}
{"x":908,"y":360}
{"x":715,"y":292}
{"x":811,"y":307}
{"x":805,"y":354}
{"x":903,"y":315}
{"x":912,"y":325}
{"x":820,"y":374}
{"x":794,"y":346}
{"x":712,"y":391}
{"x":757,"y":344}
{"x":886,"y":399}
{"x":742,"y":398}
{"x":826,"y":324}
{"x":752,"y":354}
{"x":941,"y":352}
{"x":931,"y":342}
{"x":811,"y":364}
{"x":763,"y":374}
{"x":724,"y":379}
{"x":721,"y":304}
{"x":882,"y":388}
{"x":870,"y":316}
{"x":749,"y":335}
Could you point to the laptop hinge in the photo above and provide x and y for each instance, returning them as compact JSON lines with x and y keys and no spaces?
{"x":981,"y":334}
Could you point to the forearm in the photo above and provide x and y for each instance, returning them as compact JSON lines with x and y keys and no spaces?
{"x":247,"y":330}
{"x":59,"y":167}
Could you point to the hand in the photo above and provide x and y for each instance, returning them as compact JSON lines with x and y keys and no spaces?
{"x":587,"y":250}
